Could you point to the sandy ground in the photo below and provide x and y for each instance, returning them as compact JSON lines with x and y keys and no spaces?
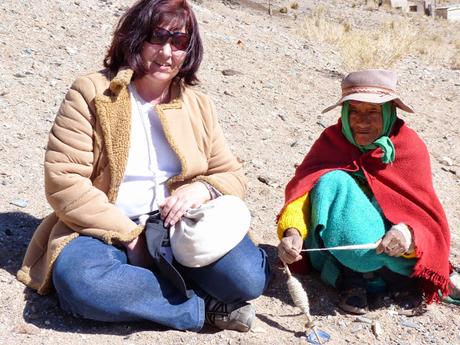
{"x":270,"y":110}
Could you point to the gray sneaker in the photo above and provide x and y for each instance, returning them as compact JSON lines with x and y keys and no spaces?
{"x":233,"y":316}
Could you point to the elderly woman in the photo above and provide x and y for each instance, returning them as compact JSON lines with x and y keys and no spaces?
{"x":367,"y":179}
{"x":136,"y":139}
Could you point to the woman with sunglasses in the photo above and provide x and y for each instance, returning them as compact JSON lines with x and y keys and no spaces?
{"x":132,"y":140}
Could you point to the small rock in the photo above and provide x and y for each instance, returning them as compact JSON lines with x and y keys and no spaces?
{"x":71,"y":51}
{"x":282,"y":117}
{"x":19,"y":75}
{"x":20,"y":203}
{"x":257,"y":163}
{"x":357,"y":329}
{"x":266,"y":180}
{"x":283,"y":10}
{"x":409,"y":324}
{"x":377,"y":329}
{"x":26,"y":328}
{"x":230,"y":72}
{"x":258,"y":329}
{"x":363,"y":320}
{"x":446,"y":161}
{"x":452,"y":171}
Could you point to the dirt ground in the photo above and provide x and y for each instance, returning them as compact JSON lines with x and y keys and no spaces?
{"x":270,"y":109}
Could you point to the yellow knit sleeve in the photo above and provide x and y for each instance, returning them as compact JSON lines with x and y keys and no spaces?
{"x":410,"y":255}
{"x":295,"y":215}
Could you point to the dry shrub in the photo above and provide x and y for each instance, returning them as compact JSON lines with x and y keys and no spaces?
{"x":377,"y":48}
{"x":456,"y":43}
{"x":446,"y":2}
{"x":295,"y":5}
{"x":455,"y":62}
{"x":385,"y":45}
{"x":316,"y":28}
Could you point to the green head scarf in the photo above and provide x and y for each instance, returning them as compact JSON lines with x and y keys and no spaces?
{"x":384,"y":142}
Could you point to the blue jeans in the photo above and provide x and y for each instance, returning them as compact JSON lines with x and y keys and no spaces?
{"x":93,"y":280}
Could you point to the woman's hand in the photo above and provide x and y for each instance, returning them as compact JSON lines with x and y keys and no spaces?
{"x":138,"y":253}
{"x":290,"y":246}
{"x":185,"y":197}
{"x":397,"y":241}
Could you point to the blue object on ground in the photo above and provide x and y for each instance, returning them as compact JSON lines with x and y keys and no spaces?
{"x":312,"y":339}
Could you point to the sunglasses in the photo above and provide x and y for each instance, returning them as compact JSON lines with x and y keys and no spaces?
{"x":178,"y":40}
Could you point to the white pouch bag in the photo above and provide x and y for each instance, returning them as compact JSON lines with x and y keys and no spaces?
{"x":207,"y":233}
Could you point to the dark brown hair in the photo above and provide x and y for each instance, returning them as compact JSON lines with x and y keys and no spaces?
{"x":136,"y":26}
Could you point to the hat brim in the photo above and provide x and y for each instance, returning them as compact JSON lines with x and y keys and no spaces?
{"x":371,"y":98}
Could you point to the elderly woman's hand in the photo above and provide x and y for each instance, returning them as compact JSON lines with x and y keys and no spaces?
{"x":397,"y":241}
{"x":290,"y":246}
{"x":187,"y":196}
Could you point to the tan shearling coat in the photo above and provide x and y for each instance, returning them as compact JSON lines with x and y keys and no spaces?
{"x":87,"y":155}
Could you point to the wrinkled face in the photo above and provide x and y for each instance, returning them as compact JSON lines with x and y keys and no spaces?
{"x":163,"y":60}
{"x":366,"y":122}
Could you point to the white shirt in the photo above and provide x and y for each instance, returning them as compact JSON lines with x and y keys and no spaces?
{"x":151,"y":161}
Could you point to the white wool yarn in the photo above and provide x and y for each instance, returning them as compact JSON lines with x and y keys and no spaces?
{"x":299,"y":297}
{"x":298,"y":294}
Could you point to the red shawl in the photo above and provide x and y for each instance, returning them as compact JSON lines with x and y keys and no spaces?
{"x":403,"y":189}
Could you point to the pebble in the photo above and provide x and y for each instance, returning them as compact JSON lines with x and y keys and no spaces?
{"x":230,"y":72}
{"x":258,"y":329}
{"x":363,"y":320}
{"x":452,"y":171}
{"x":446,"y":161}
{"x":377,"y":329}
{"x":20,"y":203}
{"x":356,"y":329}
{"x":266,"y":180}
{"x":26,"y":328}
{"x":257,"y":163}
{"x":409,"y":324}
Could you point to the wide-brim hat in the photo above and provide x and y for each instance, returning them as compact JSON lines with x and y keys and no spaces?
{"x":371,"y":86}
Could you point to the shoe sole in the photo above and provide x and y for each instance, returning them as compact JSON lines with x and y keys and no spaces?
{"x":353,"y":310}
{"x":239,"y":324}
